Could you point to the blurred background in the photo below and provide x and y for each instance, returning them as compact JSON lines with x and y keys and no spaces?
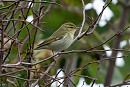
{"x":115,"y":19}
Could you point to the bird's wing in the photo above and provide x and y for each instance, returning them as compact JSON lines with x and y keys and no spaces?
{"x":54,"y":37}
{"x":50,"y":40}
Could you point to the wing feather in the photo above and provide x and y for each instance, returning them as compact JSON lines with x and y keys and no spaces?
{"x":54,"y":37}
{"x":48,"y":41}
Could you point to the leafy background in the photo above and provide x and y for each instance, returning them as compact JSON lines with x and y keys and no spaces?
{"x":71,"y":11}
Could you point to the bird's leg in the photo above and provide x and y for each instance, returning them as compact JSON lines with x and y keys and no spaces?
{"x":55,"y":58}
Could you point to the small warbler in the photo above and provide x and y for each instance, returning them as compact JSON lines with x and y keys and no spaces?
{"x":61,"y":39}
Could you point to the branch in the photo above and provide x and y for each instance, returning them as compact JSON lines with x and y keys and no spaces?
{"x":108,"y":58}
{"x":83,"y":18}
{"x":93,"y":25}
{"x":32,"y":2}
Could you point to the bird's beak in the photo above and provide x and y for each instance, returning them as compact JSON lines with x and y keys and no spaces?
{"x":77,"y":28}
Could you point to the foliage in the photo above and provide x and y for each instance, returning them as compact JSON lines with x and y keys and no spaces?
{"x":29,"y":34}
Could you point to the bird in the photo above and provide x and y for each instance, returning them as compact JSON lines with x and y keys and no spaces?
{"x":61,"y":39}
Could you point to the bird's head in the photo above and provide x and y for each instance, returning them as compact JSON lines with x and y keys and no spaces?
{"x":70,"y":26}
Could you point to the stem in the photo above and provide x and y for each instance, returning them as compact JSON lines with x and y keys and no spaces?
{"x":2,"y":45}
{"x":116,"y":43}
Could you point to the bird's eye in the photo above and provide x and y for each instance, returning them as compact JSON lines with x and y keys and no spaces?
{"x":71,"y":27}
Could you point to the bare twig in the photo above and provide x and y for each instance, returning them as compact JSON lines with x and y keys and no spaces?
{"x":2,"y":45}
{"x":84,"y":76}
{"x":33,"y":2}
{"x":116,"y":43}
{"x":80,"y":31}
{"x":125,"y":82}
{"x":108,"y":58}
{"x":93,"y":25}
{"x":68,"y":77}
{"x":99,"y":64}
{"x":48,"y":69}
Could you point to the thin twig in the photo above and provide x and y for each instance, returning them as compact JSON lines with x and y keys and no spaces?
{"x":80,"y":31}
{"x":93,"y":25}
{"x":48,"y":69}
{"x":33,"y":1}
{"x":108,"y":58}
{"x":84,"y":76}
{"x":99,"y":65}
{"x":68,"y":77}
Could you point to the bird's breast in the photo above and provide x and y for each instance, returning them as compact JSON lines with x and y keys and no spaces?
{"x":62,"y":44}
